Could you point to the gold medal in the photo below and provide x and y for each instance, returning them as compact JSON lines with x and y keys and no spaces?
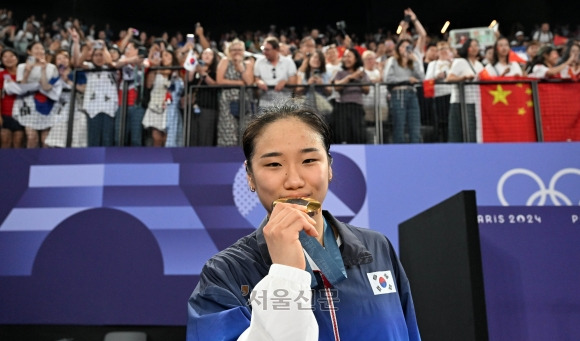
{"x":312,"y":206}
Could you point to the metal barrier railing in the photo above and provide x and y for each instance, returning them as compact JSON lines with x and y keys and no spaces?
{"x":217,"y":115}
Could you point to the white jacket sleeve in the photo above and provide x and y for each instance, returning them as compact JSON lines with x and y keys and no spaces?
{"x":282,"y":307}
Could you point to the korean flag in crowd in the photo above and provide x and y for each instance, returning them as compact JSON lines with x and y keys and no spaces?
{"x":190,"y":62}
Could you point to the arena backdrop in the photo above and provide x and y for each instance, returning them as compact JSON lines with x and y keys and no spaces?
{"x":118,"y":236}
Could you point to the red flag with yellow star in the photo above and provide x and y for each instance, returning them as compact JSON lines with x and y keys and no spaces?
{"x":507,"y":113}
{"x":560,"y":110}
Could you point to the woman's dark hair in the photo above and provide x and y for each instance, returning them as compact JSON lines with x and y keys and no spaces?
{"x":159,"y":41}
{"x":464,"y":50}
{"x":215,"y":61}
{"x":174,"y":61}
{"x":8,"y":49}
{"x":567,"y":50}
{"x":358,"y":59}
{"x":31,"y":45}
{"x":540,"y":57}
{"x":495,"y":58}
{"x":322,"y":67}
{"x":288,"y":109}
{"x":399,"y":57}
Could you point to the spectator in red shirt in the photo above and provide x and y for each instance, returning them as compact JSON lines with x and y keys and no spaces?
{"x":12,"y":133}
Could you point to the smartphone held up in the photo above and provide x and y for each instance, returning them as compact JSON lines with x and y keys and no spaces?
{"x":191,"y":38}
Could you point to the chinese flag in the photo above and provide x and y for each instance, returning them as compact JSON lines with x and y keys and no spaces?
{"x":560,"y":110}
{"x":514,"y":57}
{"x":485,"y":76}
{"x":560,"y":40}
{"x":429,"y":88}
{"x":507,"y":113}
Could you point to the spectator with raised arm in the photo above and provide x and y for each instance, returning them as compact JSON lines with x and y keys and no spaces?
{"x":403,"y":72}
{"x":201,"y":38}
{"x":545,"y":64}
{"x":572,"y":71}
{"x":57,"y":136}
{"x":409,"y":19}
{"x":276,"y":71}
{"x":37,"y":113}
{"x":158,"y":80}
{"x":126,"y":36}
{"x":100,"y":101}
{"x":131,"y":66}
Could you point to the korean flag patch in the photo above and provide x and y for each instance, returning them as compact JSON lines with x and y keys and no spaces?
{"x":382,"y":282}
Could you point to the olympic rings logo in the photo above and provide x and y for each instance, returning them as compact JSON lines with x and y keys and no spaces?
{"x":543,"y":192}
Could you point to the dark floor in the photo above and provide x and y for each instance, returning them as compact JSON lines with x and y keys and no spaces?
{"x":84,"y":333}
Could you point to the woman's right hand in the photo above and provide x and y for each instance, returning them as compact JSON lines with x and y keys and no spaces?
{"x":281,"y":233}
{"x":315,"y":80}
{"x":29,"y":64}
{"x":573,"y":58}
{"x":74,"y":34}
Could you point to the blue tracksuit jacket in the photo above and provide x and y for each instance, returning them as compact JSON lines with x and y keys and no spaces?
{"x":218,"y":309}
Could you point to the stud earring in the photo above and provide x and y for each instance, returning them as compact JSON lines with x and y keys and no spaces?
{"x":252,"y":189}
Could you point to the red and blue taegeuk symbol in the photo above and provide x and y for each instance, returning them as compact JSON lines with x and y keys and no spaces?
{"x":383,"y":282}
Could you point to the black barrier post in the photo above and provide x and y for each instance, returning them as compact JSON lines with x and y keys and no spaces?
{"x":188,"y":92}
{"x":71,"y":113}
{"x":464,"y":118}
{"x":242,"y":118}
{"x":378,"y":115}
{"x":123,"y":113}
{"x":537,"y":113}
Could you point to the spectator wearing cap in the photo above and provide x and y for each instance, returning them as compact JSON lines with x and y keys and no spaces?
{"x":519,"y":40}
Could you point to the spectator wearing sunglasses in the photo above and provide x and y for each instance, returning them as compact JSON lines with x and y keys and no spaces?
{"x":273,"y":70}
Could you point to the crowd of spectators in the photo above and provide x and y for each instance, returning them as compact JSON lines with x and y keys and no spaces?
{"x":143,"y":76}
